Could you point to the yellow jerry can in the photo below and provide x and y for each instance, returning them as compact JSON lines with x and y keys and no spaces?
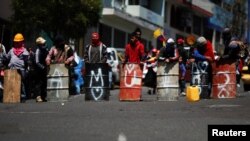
{"x":192,"y":93}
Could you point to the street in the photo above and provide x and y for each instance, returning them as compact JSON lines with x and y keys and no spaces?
{"x":146,"y":120}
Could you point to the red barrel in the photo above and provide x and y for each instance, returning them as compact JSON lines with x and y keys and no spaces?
{"x":224,"y":79}
{"x":130,"y":82}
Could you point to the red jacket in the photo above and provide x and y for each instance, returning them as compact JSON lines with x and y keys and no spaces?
{"x":134,"y":54}
{"x":209,"y":50}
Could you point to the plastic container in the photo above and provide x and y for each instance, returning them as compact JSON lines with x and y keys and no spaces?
{"x":192,"y":93}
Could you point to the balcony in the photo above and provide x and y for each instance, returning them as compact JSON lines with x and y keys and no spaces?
{"x":145,"y":14}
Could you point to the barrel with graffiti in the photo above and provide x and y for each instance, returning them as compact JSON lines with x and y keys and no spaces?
{"x":130,"y":82}
{"x":57,"y":83}
{"x":200,"y":77}
{"x":97,"y":81}
{"x":224,"y":79}
{"x":168,"y":81}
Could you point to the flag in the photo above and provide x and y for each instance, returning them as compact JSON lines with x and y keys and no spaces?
{"x":159,"y":35}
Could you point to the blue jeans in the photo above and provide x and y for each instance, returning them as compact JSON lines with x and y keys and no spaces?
{"x":23,"y":83}
{"x":182,"y":85}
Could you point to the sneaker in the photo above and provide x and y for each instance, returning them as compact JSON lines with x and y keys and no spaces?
{"x":238,"y":85}
{"x":39,"y":99}
{"x":183,"y":93}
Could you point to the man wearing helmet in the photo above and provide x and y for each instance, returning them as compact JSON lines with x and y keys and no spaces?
{"x":18,"y":58}
{"x":41,"y":69}
{"x":204,"y":52}
{"x":169,"y":53}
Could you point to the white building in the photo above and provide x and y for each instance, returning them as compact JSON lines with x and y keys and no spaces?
{"x":178,"y":18}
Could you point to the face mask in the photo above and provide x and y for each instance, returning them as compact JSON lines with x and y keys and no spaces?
{"x":132,"y":43}
{"x":95,"y":41}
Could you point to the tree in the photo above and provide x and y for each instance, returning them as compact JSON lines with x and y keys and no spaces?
{"x":68,"y":17}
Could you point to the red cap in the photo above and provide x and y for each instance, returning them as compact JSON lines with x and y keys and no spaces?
{"x":95,"y":36}
{"x":154,"y":50}
{"x":180,"y":41}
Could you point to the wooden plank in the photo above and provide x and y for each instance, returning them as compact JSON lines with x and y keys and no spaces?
{"x":12,"y":86}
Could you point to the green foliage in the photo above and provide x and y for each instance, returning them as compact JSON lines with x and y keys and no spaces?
{"x":68,"y":17}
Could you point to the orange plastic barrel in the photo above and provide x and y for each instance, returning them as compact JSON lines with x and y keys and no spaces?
{"x":224,"y":79}
{"x":130,"y":82}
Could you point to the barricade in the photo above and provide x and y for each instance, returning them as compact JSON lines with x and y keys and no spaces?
{"x":224,"y":79}
{"x":97,"y":81}
{"x":57,"y":83}
{"x":200,"y":77}
{"x":12,"y":86}
{"x":168,"y":81}
{"x":130,"y":82}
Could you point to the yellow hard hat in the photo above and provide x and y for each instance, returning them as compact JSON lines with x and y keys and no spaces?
{"x":18,"y":37}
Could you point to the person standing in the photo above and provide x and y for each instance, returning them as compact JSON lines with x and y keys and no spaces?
{"x":96,"y":52}
{"x":95,"y":57}
{"x":2,"y":67}
{"x":134,"y":50}
{"x":62,"y":53}
{"x":18,"y":57}
{"x":151,"y":64}
{"x":41,"y":70}
{"x":204,"y":52}
{"x":182,"y":65}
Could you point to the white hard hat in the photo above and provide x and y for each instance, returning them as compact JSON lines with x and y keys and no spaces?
{"x":202,"y":40}
{"x":40,"y":40}
{"x":170,"y":40}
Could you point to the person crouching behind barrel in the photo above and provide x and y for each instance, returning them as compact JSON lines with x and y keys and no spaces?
{"x":169,"y":53}
{"x":203,"y":54}
{"x":18,"y":57}
{"x":62,"y":53}
{"x":97,"y":70}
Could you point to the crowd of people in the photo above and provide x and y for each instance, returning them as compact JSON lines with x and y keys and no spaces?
{"x":33,"y":64}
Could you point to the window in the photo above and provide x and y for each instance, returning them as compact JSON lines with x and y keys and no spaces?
{"x":173,"y":17}
{"x":217,"y":36}
{"x":119,"y":39}
{"x":197,"y":25}
{"x":208,"y":33}
{"x":166,"y":12}
{"x":105,"y":34}
{"x":133,"y":2}
{"x":218,"y":2}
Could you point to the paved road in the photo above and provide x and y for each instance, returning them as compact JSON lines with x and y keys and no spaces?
{"x":147,"y":120}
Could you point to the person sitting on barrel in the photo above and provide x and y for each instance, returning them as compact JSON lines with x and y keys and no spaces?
{"x":62,"y":53}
